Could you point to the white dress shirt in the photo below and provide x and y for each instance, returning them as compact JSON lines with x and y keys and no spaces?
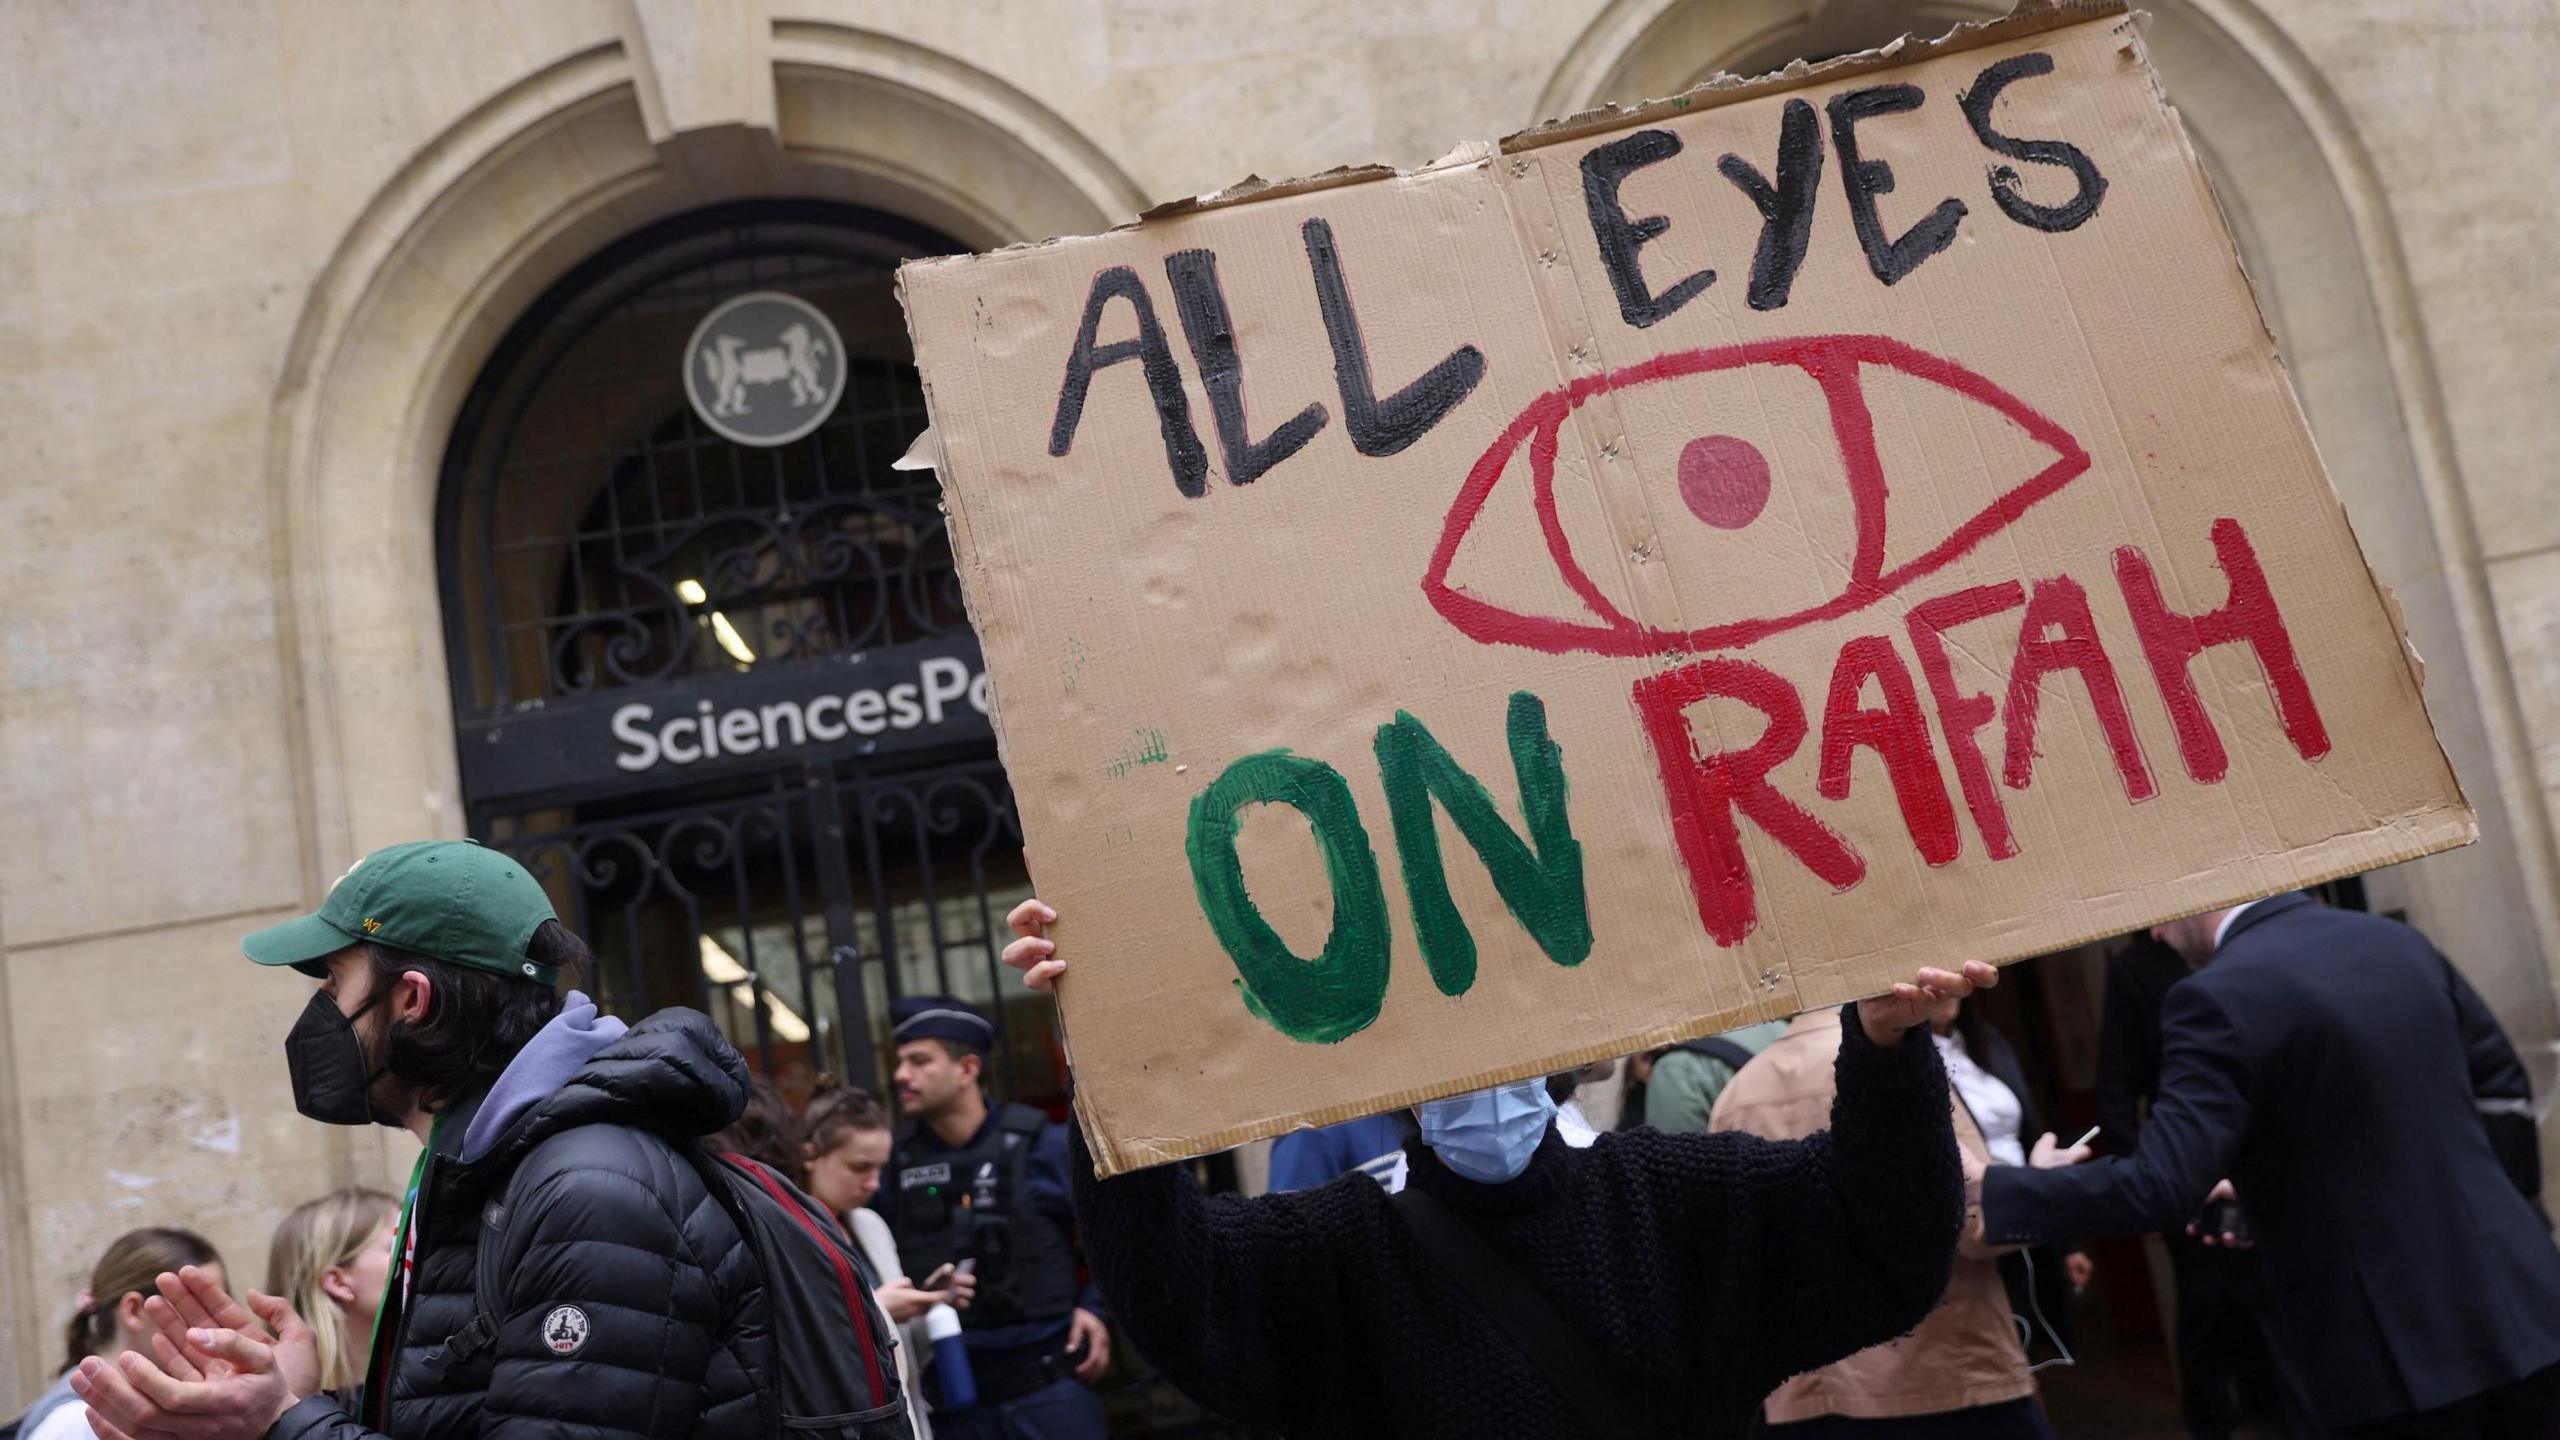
{"x":2227,"y":917}
{"x":1996,"y":1108}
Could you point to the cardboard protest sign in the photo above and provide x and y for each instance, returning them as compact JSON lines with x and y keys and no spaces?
{"x":1670,"y":568}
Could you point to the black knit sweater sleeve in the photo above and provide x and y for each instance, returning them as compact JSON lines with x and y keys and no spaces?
{"x":1814,"y":1249}
{"x":1240,"y":1302}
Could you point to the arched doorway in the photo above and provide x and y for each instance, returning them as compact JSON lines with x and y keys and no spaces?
{"x":722,"y":697}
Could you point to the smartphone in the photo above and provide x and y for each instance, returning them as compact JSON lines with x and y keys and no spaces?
{"x":2225,"y":1217}
{"x":965,"y":1267}
{"x":937,"y":1279}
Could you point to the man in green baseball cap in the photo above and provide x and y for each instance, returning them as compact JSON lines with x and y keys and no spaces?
{"x":552,"y":1133}
{"x":449,"y":900}
{"x":497,"y":952}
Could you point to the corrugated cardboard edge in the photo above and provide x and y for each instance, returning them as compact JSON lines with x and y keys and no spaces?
{"x":2032,"y":17}
{"x":2402,"y":838}
{"x":927,"y":452}
{"x":2398,"y":619}
{"x":2409,"y":838}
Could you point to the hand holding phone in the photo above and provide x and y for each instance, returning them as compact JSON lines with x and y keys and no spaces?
{"x":2223,"y":1223}
{"x":2226,"y":1223}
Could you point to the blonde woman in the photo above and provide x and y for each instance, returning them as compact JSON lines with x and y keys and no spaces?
{"x":330,"y":1258}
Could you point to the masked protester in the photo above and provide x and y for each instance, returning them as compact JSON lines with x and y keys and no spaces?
{"x":1651,"y":1284}
{"x":622,"y":1280}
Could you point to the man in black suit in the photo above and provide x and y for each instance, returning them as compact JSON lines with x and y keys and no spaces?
{"x":2223,"y":1367}
{"x":2332,"y":1065}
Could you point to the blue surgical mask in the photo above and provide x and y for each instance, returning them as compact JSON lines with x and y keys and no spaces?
{"x":1488,"y":1136}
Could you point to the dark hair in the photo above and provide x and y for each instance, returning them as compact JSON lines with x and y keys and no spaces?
{"x":766,"y":1131}
{"x":1971,"y":1026}
{"x":137,"y":1258}
{"x":837,"y":1110}
{"x":476,"y":1021}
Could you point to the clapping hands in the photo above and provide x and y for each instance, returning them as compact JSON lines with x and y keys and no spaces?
{"x":218,"y":1369}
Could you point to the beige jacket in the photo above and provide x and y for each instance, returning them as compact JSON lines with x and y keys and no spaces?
{"x":1967,"y":1352}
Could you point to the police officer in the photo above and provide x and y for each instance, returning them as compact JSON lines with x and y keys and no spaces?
{"x":973,"y":1184}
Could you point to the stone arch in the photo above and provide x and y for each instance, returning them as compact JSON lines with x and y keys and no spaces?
{"x":479,"y":222}
{"x":2315,"y":230}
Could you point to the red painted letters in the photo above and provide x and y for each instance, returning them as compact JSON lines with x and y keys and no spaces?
{"x":1962,"y":714}
{"x":2171,"y":642}
{"x":2061,"y":602}
{"x":1706,"y":792}
{"x":1899,"y":736}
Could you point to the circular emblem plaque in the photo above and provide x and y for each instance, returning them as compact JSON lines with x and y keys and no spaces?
{"x":764,"y":368}
{"x":564,"y":1330}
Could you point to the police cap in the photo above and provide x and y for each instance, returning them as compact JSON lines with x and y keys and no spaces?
{"x":940,"y":1017}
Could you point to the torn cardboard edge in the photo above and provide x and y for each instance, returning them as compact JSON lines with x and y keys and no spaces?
{"x":924,"y":453}
{"x":2397,"y":617}
{"x":2427,"y":833}
{"x":2031,"y":17}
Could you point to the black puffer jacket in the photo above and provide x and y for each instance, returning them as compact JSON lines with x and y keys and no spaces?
{"x":609,"y":1219}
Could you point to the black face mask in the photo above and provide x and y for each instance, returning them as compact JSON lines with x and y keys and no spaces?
{"x":331,"y":1082}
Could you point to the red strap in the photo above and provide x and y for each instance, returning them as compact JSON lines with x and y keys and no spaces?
{"x":844,"y":1270}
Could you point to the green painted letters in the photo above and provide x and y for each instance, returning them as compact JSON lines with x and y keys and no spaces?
{"x":1542,"y":887}
{"x":1337,"y":993}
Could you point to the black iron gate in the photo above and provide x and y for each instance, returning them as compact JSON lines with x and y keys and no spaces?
{"x":610,"y":564}
{"x":794,"y":911}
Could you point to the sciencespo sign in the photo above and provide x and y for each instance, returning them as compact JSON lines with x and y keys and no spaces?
{"x":910,"y":697}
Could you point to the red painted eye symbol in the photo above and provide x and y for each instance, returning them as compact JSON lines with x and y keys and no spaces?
{"x":1761,"y":536}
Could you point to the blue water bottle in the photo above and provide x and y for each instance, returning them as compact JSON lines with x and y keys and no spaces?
{"x":950,"y":1360}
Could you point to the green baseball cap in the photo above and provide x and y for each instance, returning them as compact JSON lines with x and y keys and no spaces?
{"x":449,"y":900}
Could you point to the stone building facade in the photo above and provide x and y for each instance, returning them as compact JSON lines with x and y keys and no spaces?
{"x":259,"y":264}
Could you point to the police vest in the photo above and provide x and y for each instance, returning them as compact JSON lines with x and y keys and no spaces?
{"x":975,"y":1203}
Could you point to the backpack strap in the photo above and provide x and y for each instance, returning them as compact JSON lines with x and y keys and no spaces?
{"x":488,"y":1278}
{"x":722,"y":1181}
{"x":1561,"y":1353}
{"x":1716,"y":1047}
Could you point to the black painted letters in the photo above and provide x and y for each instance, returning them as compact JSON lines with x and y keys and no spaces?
{"x":1622,"y":240}
{"x":1977,"y":103}
{"x":1889,"y":258}
{"x":1203,"y":307}
{"x":1786,"y":208}
{"x":1379,"y":427}
{"x":1182,"y":448}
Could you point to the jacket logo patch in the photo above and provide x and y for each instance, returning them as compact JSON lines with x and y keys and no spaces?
{"x":564,"y":1330}
{"x":934,"y":1174}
